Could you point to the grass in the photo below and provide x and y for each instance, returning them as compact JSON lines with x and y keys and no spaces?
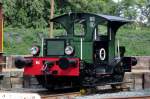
{"x":137,"y":41}
{"x":19,"y":41}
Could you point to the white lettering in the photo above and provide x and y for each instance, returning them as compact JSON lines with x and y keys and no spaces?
{"x":102,"y":54}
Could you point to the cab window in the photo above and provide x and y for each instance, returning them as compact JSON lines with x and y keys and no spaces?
{"x":79,"y":28}
{"x":102,"y":29}
{"x":60,"y":30}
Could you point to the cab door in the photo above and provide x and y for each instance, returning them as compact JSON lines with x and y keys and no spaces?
{"x":101,"y":52}
{"x":101,"y":57}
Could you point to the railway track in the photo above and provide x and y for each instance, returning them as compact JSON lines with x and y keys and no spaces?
{"x":103,"y":94}
{"x":71,"y":95}
{"x":77,"y":95}
{"x":136,"y":97}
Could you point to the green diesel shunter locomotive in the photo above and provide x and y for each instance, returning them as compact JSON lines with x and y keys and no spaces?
{"x":86,"y":55}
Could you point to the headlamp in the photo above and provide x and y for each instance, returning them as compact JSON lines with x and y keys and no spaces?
{"x":69,"y":50}
{"x":35,"y":50}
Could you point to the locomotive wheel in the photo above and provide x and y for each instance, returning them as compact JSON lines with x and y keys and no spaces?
{"x":45,"y":82}
{"x":118,"y":73}
{"x":117,"y":76}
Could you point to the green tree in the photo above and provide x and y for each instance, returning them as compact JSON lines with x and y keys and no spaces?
{"x":36,"y":13}
{"x":25,"y":13}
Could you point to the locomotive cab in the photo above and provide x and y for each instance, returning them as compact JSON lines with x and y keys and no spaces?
{"x":85,"y":56}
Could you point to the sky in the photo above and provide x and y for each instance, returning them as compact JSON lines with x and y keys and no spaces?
{"x":116,"y":0}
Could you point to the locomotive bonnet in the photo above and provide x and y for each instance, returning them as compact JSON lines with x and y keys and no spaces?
{"x":85,"y":56}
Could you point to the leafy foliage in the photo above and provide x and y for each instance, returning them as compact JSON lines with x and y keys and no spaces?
{"x":27,"y":21}
{"x":36,"y":13}
{"x":26,"y":13}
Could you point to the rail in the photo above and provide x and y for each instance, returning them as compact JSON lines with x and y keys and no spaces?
{"x":71,"y":95}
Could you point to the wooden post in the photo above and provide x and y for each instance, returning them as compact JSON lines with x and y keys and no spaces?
{"x":143,"y":81}
{"x":1,"y":38}
{"x":1,"y":28}
{"x":51,"y":16}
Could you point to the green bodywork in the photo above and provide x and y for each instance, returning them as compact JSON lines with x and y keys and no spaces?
{"x":90,"y":23}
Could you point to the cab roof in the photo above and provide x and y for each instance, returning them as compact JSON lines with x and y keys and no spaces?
{"x":102,"y":16}
{"x":114,"y":21}
{"x":113,"y":18}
